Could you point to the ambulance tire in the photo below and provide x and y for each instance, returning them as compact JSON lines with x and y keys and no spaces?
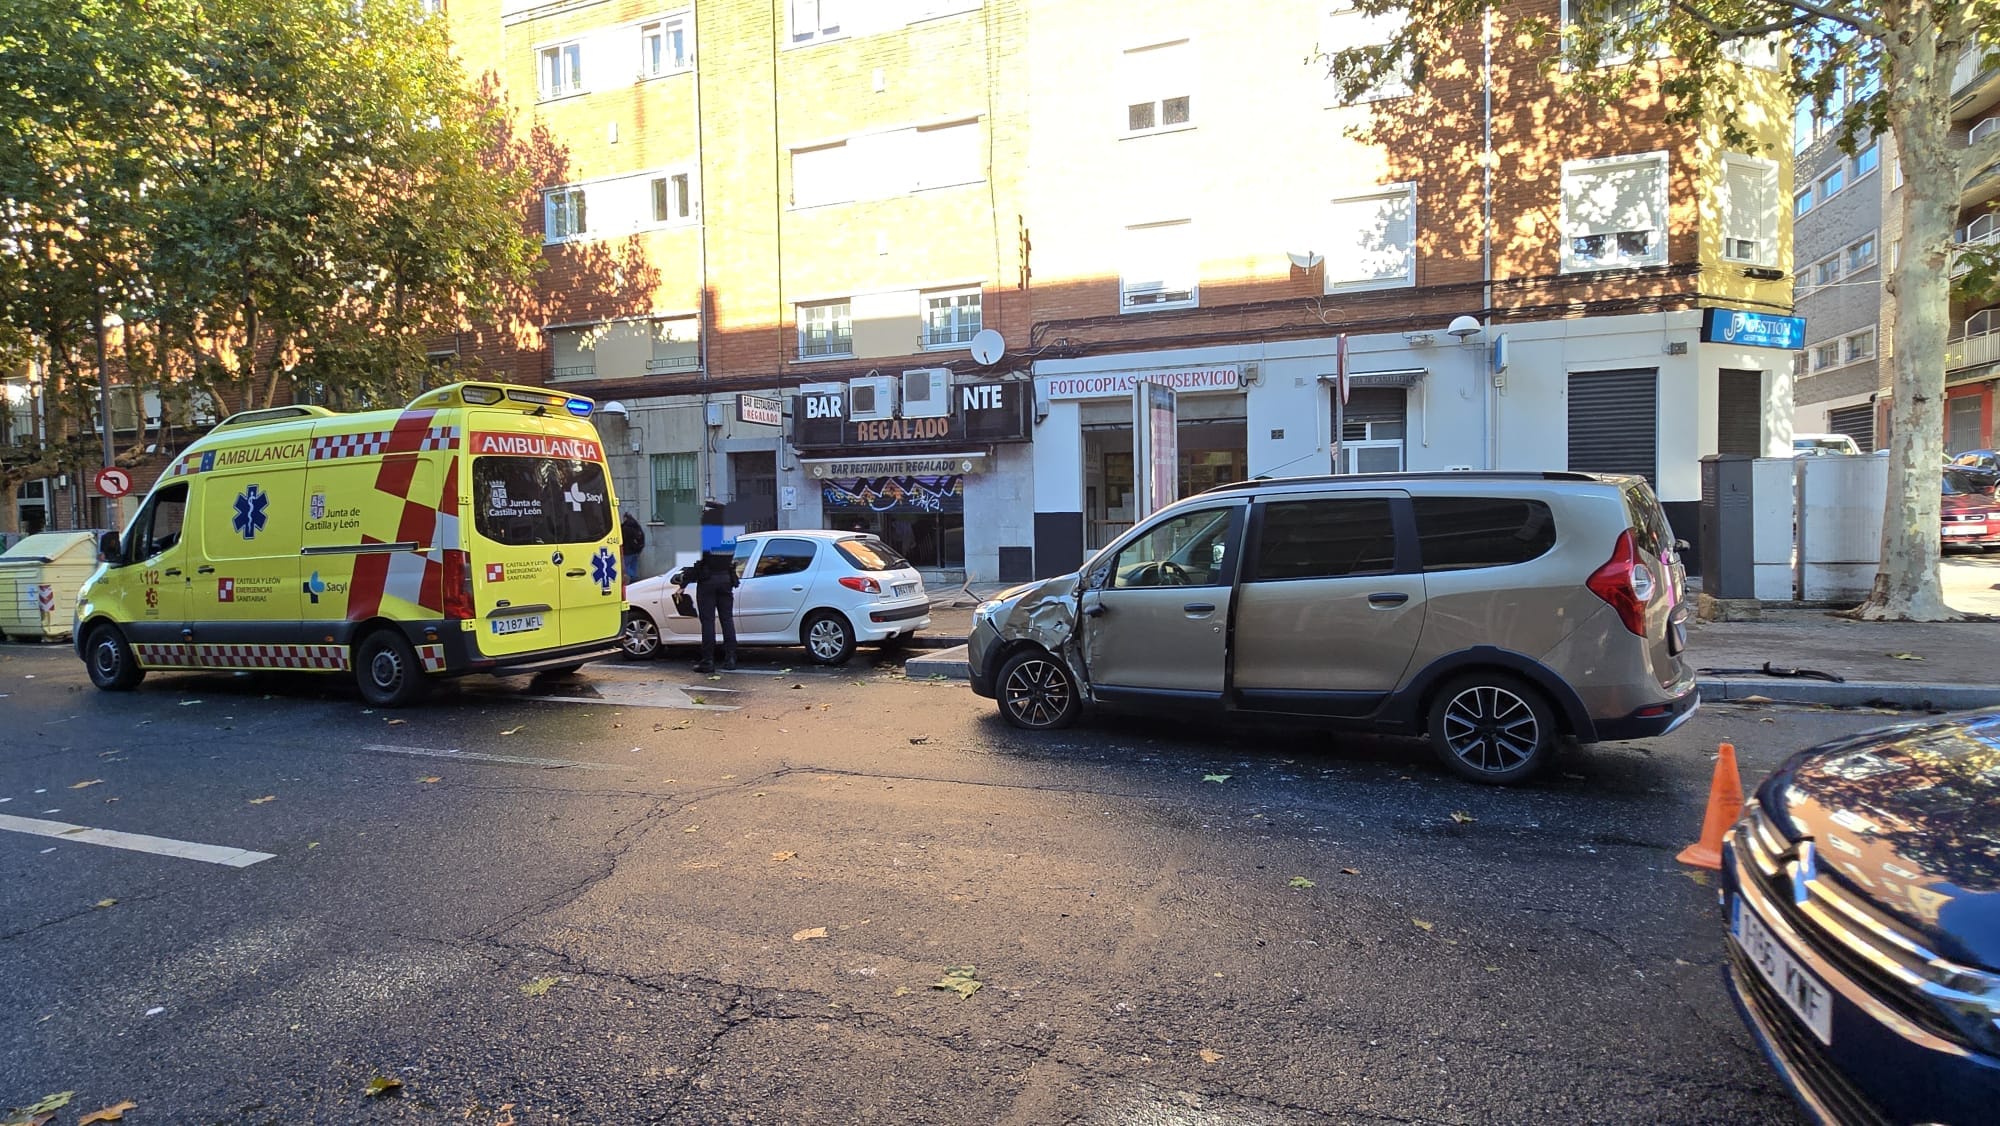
{"x":113,"y":666}
{"x":387,"y":672}
{"x":828,"y":639}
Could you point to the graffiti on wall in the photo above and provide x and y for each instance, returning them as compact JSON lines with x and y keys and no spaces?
{"x":895,"y":494}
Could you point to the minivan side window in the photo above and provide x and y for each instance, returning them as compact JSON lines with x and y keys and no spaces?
{"x":1462,"y":533}
{"x":1324,"y":539}
{"x":1189,"y":550}
{"x":784,"y":557}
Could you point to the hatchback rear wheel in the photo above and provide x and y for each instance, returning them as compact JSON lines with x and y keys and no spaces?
{"x":1037,"y":692}
{"x":828,"y":639}
{"x":1492,"y":728}
{"x":641,"y":638}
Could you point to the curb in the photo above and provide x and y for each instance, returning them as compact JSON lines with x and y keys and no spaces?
{"x":952,"y":664}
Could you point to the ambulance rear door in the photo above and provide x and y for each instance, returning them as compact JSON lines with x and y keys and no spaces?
{"x":545,"y":570}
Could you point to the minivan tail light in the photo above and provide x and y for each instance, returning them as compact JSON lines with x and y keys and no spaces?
{"x":1626,"y":583}
{"x":861,"y":583}
{"x":457,"y":582}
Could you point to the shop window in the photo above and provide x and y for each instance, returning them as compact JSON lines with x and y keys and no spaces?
{"x":920,"y":517}
{"x":1614,"y":212}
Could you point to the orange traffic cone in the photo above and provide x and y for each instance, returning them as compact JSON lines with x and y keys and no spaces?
{"x":1725,"y":805}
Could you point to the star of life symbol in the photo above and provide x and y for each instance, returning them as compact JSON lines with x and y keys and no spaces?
{"x":250,"y":506}
{"x":576,"y":496}
{"x":604,"y":568}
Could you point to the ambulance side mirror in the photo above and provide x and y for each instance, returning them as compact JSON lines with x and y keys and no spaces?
{"x":108,"y":549}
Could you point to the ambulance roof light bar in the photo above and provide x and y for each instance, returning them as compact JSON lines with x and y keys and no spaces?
{"x":488,"y":394}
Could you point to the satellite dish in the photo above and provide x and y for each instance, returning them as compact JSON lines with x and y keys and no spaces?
{"x":1307,"y":260}
{"x":988,"y":346}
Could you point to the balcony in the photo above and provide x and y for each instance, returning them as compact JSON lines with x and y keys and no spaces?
{"x":1971,"y":352}
{"x":1983,"y":231}
{"x":660,"y":364}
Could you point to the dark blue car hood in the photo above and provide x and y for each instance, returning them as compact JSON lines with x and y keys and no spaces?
{"x":1909,"y":817}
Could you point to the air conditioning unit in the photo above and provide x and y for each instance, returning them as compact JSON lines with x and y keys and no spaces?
{"x":926,"y":393}
{"x":871,"y":399}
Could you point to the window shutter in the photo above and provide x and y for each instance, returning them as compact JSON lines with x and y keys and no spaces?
{"x":819,"y":175}
{"x":1372,"y":239}
{"x":1615,"y":198}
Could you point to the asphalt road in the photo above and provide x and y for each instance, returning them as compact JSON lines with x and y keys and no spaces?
{"x":640,"y":895}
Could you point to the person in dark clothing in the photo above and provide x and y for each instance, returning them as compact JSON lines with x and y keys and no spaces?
{"x":631,"y":541}
{"x":713,"y":574}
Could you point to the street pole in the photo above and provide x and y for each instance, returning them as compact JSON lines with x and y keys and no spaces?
{"x":111,"y":504}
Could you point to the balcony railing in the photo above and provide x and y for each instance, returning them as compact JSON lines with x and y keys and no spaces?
{"x":1972,"y":351}
{"x":673,"y":363}
{"x":576,"y":371}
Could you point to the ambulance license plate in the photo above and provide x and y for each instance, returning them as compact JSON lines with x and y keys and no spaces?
{"x":522,"y":624}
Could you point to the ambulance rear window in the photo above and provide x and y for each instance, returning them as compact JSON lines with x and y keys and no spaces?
{"x":540,"y":500}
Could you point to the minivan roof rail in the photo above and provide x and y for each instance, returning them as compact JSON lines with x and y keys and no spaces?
{"x":242,"y":420}
{"x":1365,"y":479}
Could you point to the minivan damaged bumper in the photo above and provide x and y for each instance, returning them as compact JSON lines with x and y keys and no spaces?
{"x":1651,"y":721}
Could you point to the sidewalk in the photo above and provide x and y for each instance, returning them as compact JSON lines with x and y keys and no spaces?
{"x":1949,"y":666}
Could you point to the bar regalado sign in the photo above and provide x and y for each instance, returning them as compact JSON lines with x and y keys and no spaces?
{"x":1120,"y":384}
{"x":979,"y":412}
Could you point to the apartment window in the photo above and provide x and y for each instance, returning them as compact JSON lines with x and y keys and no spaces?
{"x":1160,"y":267}
{"x":663,"y":47}
{"x":1867,"y":160}
{"x":1861,"y":254}
{"x":17,"y":412}
{"x":826,"y":329}
{"x":1803,"y":131}
{"x":814,"y":20}
{"x":1831,"y":183}
{"x":563,"y":214}
{"x":1750,"y":209}
{"x":1372,"y":240}
{"x":676,"y":345}
{"x":676,"y":483}
{"x":939,"y":156}
{"x":1899,"y":173}
{"x":561,"y":68}
{"x":1343,"y":28}
{"x":1826,"y":271}
{"x":1858,"y":345}
{"x":820,"y":175}
{"x":1826,"y":355}
{"x":1614,"y":212}
{"x":672,"y":197}
{"x":1158,"y":82}
{"x":952,"y":318}
{"x":1802,"y":201}
{"x":1895,"y":253}
{"x":572,"y":353}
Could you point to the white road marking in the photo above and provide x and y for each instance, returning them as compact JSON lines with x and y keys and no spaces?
{"x":136,"y":842}
{"x":497,"y":760}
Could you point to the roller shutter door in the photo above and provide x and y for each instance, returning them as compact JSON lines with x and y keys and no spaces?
{"x":1857,"y":422}
{"x":1739,"y":412}
{"x":1614,"y":422}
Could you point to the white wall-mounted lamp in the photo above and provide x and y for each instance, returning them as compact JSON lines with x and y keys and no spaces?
{"x":1463,"y":327}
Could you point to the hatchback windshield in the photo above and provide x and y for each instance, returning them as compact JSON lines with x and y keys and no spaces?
{"x":540,"y":500}
{"x":870,"y":555}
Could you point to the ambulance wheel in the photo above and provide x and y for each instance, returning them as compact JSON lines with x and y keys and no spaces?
{"x":386,"y":668}
{"x":113,"y":665}
{"x":828,"y":638}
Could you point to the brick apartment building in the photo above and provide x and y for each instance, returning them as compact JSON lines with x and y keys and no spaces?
{"x":827,"y":203}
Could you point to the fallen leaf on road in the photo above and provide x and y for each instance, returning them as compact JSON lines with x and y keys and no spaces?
{"x":715,"y":678}
{"x":1767,"y":719}
{"x":1217,"y":777}
{"x":809,"y":935}
{"x":184,"y":703}
{"x":728,"y":777}
{"x":1697,"y":875}
{"x":1493,"y":969}
{"x":513,"y":730}
{"x":901,"y":991}
{"x":692,"y":829}
{"x":1210,"y":1055}
{"x":781,"y":857}
{"x":683,"y":725}
{"x":394,"y":722}
{"x":960,"y":980}
{"x":1302,"y":882}
{"x":1350,"y":871}
{"x":798,"y":686}
{"x":113,"y":1113}
{"x":87,"y":784}
{"x":1422,"y":925}
{"x":1905,"y":656}
{"x":1462,"y":817}
{"x":40,"y":1112}
{"x":382,"y":1085}
{"x":104,"y":903}
{"x":312,"y":844}
{"x":539,"y":986}
{"x":919,"y":740}
{"x":262,"y":800}
{"x":429,"y":780}
{"x":698,"y":699}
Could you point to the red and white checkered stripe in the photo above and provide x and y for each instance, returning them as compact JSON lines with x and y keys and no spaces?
{"x":328,"y":657}
{"x":432,"y":656}
{"x":377,"y":441}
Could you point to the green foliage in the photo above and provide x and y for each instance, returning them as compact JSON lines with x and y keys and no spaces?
{"x":302,"y":191}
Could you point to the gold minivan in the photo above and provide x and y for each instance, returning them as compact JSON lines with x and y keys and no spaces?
{"x":1499,"y":613}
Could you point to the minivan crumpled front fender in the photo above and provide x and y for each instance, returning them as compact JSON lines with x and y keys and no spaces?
{"x":1046,"y":616}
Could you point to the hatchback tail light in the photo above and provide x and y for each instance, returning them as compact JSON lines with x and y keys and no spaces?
{"x":862,"y":583}
{"x":457,"y":583}
{"x":1626,"y":583}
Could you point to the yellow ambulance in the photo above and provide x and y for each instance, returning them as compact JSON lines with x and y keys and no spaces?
{"x":473,"y":531}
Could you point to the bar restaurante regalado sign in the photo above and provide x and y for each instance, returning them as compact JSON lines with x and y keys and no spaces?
{"x":979,"y":413}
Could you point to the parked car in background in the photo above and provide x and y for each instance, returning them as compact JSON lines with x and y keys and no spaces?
{"x":1807,"y":445}
{"x":1862,"y":894}
{"x":1968,"y":514}
{"x":1496,"y":612}
{"x":1981,"y":465}
{"x":827,"y":591}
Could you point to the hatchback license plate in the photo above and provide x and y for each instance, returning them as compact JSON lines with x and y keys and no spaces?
{"x":1802,"y":993}
{"x":522,"y":624}
{"x":905,"y":588}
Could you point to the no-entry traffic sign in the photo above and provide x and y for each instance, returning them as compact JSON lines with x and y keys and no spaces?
{"x":113,"y":481}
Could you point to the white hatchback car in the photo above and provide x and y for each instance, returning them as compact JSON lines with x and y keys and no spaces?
{"x":826,"y":591}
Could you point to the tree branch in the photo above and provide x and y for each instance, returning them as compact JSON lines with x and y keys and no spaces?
{"x":1977,"y":158}
{"x":1874,"y":29}
{"x":1727,"y":34}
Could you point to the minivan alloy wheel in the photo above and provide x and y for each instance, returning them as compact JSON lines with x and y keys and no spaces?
{"x":1491,"y":729}
{"x":1036,"y":692}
